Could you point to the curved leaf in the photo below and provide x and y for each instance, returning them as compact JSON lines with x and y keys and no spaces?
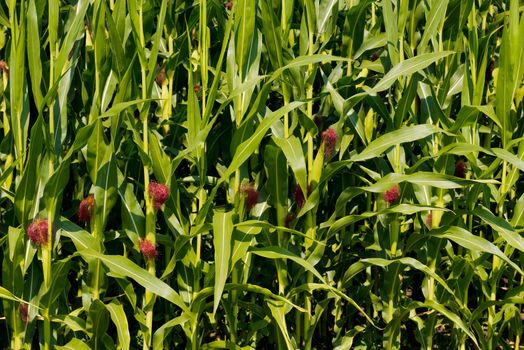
{"x":407,"y":67}
{"x":469,"y":241}
{"x":281,"y":253}
{"x":124,"y":267}
{"x":364,"y":263}
{"x":405,"y":134}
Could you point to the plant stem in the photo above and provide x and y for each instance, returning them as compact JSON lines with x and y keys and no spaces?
{"x":373,"y":15}
{"x":309,"y":95}
{"x":149,"y":304}
{"x":7,"y":128}
{"x":496,"y":259}
{"x":392,"y":271}
{"x":285,"y":92}
{"x":47,"y":256}
{"x":47,"y":329}
{"x":235,"y":278}
{"x":431,"y":292}
{"x":315,"y":173}
{"x":201,"y":199}
{"x":151,"y":236}
{"x":168,"y":108}
{"x":285,"y":89}
{"x":96,"y":225}
{"x":150,"y":211}
{"x":310,"y":219}
{"x":394,"y":228}
{"x":150,"y":227}
{"x":47,"y":249}
{"x":203,"y":48}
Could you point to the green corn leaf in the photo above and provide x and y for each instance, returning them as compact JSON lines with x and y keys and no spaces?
{"x":5,"y":294}
{"x":404,"y":106}
{"x":518,"y":213}
{"x":105,"y":191}
{"x":362,"y":264}
{"x":453,"y":317}
{"x":434,"y":18}
{"x":508,"y":157}
{"x":271,"y":33}
{"x":74,"y":344}
{"x":33,"y":52}
{"x":222,"y":232}
{"x":122,"y":266}
{"x":118,"y":316}
{"x":407,"y":209}
{"x":405,"y":134}
{"x":19,"y":103}
{"x":153,"y":52}
{"x":371,"y":43}
{"x":133,"y":218}
{"x":80,"y":238}
{"x":244,"y":28}
{"x":279,"y":315}
{"x":253,"y":227}
{"x":326,"y":10}
{"x":280,"y":253}
{"x":391,"y":26}
{"x":424,"y":178}
{"x":406,"y":68}
{"x":56,"y":185}
{"x":246,"y":148}
{"x":60,"y":270}
{"x":116,"y":41}
{"x":160,"y":161}
{"x":97,"y":323}
{"x":163,"y":331}
{"x":504,"y":89}
{"x":96,"y":150}
{"x":501,"y":226}
{"x":77,"y":24}
{"x":292,"y":149}
{"x":25,"y":191}
{"x":475,"y":243}
{"x":118,"y":108}
{"x":276,"y":170}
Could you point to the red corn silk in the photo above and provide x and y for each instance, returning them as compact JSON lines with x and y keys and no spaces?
{"x":391,"y":195}
{"x":37,"y":232}
{"x":86,"y":208}
{"x":329,"y":138}
{"x":3,"y":67}
{"x":24,"y":312}
{"x":461,"y":169}
{"x":289,"y":219}
{"x":318,"y":121}
{"x":161,"y":76}
{"x":251,"y":195}
{"x":299,"y":196}
{"x":429,"y":220}
{"x":158,"y":193}
{"x":148,"y":249}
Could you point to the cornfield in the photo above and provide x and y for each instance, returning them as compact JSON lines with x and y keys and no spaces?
{"x":261,"y":174}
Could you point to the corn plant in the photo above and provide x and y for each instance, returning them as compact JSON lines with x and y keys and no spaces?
{"x":257,"y":174}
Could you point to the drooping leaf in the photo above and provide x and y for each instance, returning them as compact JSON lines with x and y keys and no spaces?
{"x":122,"y":266}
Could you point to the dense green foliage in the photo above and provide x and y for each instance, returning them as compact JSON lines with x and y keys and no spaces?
{"x":295,"y":174}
